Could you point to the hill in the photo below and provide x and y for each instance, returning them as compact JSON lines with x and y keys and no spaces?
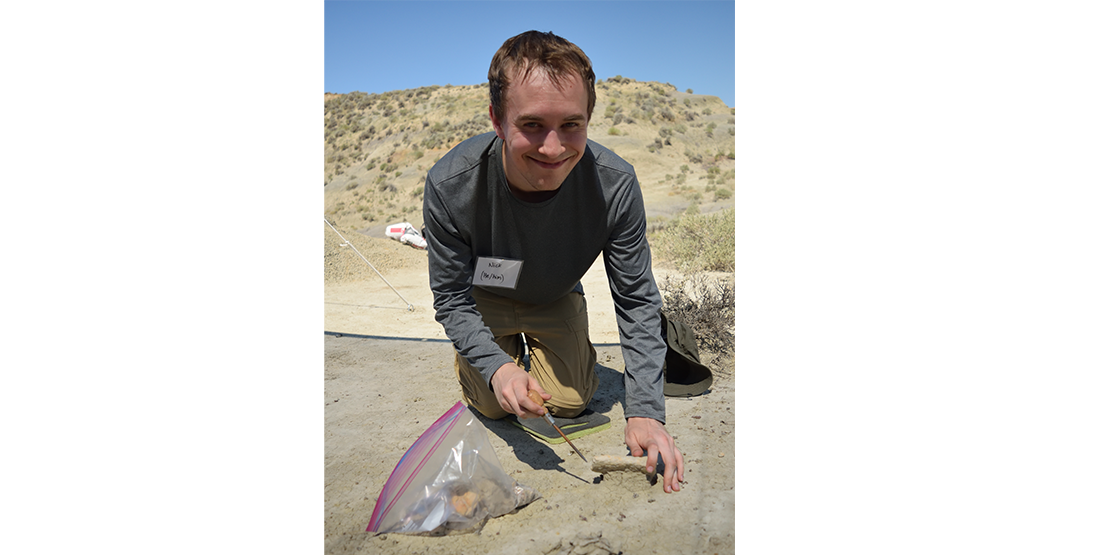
{"x":379,"y":147}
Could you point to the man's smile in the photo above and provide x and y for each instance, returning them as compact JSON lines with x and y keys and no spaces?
{"x":549,"y":165}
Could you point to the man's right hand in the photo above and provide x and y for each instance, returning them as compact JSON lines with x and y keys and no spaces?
{"x":510,"y":385}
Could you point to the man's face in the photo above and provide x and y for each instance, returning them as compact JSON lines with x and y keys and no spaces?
{"x":544,"y":129}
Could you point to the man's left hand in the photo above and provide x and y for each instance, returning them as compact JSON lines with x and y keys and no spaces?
{"x":649,"y":436}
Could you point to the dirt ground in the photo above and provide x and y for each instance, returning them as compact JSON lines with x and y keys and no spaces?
{"x":389,"y":374}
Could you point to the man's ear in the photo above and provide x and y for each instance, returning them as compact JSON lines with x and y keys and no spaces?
{"x":497,"y":124}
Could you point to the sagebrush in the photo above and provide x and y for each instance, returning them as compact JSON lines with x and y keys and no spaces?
{"x":695,"y":242}
{"x":706,"y":305}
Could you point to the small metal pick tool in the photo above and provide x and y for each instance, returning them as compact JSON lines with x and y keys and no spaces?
{"x":534,"y":396}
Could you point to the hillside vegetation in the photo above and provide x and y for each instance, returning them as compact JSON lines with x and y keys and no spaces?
{"x":379,"y":147}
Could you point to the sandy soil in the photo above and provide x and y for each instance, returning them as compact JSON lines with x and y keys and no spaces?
{"x":389,"y":374}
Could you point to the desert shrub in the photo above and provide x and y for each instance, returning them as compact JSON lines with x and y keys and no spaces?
{"x":434,"y":141}
{"x":722,"y":194}
{"x":692,"y":243}
{"x":352,"y":185}
{"x":418,"y":191}
{"x":614,"y":131}
{"x":707,"y":306}
{"x":689,"y":91}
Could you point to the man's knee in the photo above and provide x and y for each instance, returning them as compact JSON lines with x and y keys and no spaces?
{"x":483,"y":401}
{"x":475,"y":392}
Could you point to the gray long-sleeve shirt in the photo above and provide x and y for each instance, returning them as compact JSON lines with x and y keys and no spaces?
{"x":470,"y":212}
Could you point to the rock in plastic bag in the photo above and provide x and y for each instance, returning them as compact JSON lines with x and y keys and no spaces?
{"x":450,"y":480}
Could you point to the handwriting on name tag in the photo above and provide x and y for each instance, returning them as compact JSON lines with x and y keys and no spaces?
{"x":497,"y":272}
{"x":489,"y":276}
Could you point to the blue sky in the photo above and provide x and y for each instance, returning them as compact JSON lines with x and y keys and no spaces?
{"x":382,"y":46}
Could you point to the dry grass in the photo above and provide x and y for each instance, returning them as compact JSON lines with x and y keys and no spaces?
{"x":701,"y":246}
{"x":695,"y":242}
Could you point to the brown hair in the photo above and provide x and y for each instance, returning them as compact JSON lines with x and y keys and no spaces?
{"x":533,"y":49}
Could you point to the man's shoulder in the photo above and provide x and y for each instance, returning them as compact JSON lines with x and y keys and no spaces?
{"x":467,"y":155}
{"x":606,"y":159}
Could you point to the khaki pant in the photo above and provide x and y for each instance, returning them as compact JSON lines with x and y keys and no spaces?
{"x":562,"y":357}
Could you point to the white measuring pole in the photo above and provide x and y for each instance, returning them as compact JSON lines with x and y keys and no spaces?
{"x":368,"y":263}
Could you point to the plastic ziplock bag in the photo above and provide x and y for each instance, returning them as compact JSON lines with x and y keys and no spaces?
{"x":449,"y":480}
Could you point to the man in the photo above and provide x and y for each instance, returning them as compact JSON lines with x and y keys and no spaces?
{"x":514,"y":219}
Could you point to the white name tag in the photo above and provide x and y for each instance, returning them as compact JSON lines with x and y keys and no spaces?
{"x":497,"y":272}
